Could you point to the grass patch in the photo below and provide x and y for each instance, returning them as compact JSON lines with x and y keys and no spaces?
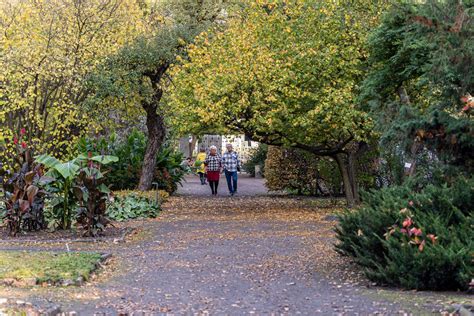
{"x":47,"y":266}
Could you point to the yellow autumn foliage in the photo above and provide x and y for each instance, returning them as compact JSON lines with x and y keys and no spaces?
{"x":47,"y":50}
{"x":283,"y":71}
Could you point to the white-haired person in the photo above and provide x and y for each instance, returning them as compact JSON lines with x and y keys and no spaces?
{"x":213,"y":163}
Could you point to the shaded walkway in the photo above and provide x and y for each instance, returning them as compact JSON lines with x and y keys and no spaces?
{"x":247,"y":186}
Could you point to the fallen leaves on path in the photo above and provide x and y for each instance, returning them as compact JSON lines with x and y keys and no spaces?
{"x":225,"y":255}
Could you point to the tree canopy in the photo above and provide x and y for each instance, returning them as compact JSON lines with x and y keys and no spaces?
{"x":47,"y":50}
{"x":421,"y":77}
{"x":283,"y":73}
{"x":138,"y":73}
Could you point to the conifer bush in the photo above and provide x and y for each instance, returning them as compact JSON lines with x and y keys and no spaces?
{"x":414,"y":237}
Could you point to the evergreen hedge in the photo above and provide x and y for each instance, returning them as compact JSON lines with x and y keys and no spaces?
{"x":416,"y":238}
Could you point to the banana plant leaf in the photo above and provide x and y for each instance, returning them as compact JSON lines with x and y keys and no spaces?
{"x":93,"y":173}
{"x":104,"y":189}
{"x":46,"y":180}
{"x":104,"y":159}
{"x":47,"y":160}
{"x":68,"y":169}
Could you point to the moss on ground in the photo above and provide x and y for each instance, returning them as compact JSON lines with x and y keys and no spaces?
{"x":47,"y":266}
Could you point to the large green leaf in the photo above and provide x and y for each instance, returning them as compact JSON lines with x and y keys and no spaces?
{"x":67,"y":170}
{"x":103,"y":188}
{"x":47,"y":160}
{"x":46,"y":179}
{"x":104,"y":159}
{"x":93,"y":173}
{"x":79,"y":159}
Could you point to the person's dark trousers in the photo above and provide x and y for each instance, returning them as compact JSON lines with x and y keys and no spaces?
{"x":214,"y":185}
{"x":231,"y":177}
{"x":202,"y":178}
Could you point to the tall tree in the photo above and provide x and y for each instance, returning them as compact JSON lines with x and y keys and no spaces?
{"x":421,"y":79}
{"x":138,"y":74}
{"x":47,"y":49}
{"x":284,"y":73}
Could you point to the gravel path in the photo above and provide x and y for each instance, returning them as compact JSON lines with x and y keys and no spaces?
{"x":246,"y":186}
{"x":226,"y":255}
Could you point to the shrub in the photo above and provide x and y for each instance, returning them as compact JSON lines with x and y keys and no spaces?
{"x":300,"y":172}
{"x":78,"y":191}
{"x":417,"y":238}
{"x":169,"y":172}
{"x":126,"y":205}
{"x":160,"y":196}
{"x":22,"y":205}
{"x":24,"y":198}
{"x":125,"y":174}
{"x":257,"y":157}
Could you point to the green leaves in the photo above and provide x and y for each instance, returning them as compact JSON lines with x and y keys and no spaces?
{"x":131,"y":206}
{"x":70,"y":169}
{"x":420,"y":68}
{"x":371,"y":235}
{"x":47,"y":80}
{"x":47,"y":160}
{"x":104,"y":159}
{"x":81,"y":185}
{"x":289,"y":77}
{"x":67,"y":170}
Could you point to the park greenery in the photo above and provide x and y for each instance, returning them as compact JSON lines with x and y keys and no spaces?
{"x":276,"y":71}
{"x":126,"y":205}
{"x":47,"y":267}
{"x":366,"y":99}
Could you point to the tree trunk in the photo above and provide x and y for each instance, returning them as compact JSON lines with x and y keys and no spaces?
{"x":192,"y":144}
{"x":345,"y":179}
{"x":155,"y":125}
{"x":351,"y":169}
{"x":403,"y":95}
{"x":156,"y":135}
{"x":405,"y":99}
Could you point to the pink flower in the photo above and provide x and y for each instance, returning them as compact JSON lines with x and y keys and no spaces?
{"x":415,"y":231}
{"x":22,"y":131}
{"x":407,"y":222}
{"x":23,"y":145}
{"x":432,"y":237}
{"x":403,"y":230}
{"x":15,"y":140}
{"x":421,"y":246}
{"x":411,"y":203}
{"x":390,"y":232}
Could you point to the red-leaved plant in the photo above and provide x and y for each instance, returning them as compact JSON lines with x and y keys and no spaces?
{"x":409,"y":232}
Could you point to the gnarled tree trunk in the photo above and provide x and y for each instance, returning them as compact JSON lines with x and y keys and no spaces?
{"x":346,"y":179}
{"x":351,"y":169}
{"x":155,"y":125}
{"x":156,"y":135}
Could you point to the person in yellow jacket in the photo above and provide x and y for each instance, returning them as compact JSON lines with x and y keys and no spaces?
{"x":201,"y":170}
